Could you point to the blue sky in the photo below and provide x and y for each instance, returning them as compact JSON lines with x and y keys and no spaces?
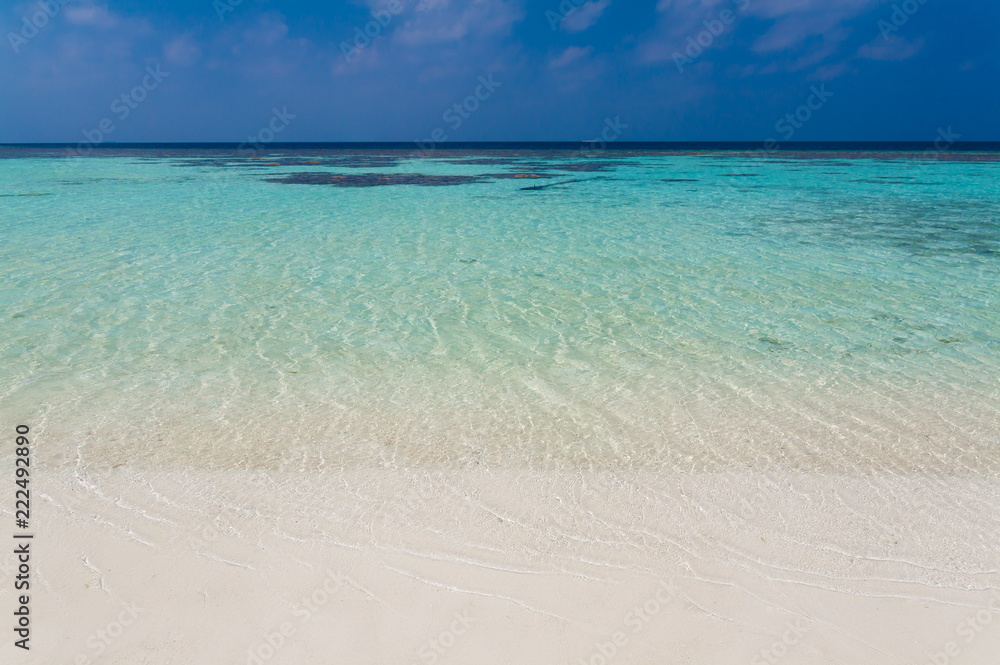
{"x":673,"y":70}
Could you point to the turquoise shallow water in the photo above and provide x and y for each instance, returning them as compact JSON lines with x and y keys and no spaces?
{"x":826,"y":312}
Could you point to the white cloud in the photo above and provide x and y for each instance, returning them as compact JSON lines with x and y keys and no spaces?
{"x":678,"y":21}
{"x":582,"y":17}
{"x":182,"y":50}
{"x":270,"y":29}
{"x":828,"y":72}
{"x":779,"y":8}
{"x":798,"y":20}
{"x":570,"y":55}
{"x":91,"y":15}
{"x":795,"y":25}
{"x":441,"y":21}
{"x":894,"y":48}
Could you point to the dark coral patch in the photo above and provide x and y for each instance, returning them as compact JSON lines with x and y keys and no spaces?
{"x":486,"y":161}
{"x":585,"y":166}
{"x":888,"y":181}
{"x":374,"y":179}
{"x":518,"y":176}
{"x":348,"y":161}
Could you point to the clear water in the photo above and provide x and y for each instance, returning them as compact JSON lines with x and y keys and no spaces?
{"x":834,"y":313}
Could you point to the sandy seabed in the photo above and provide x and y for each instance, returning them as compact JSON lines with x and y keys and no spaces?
{"x":429,"y":566}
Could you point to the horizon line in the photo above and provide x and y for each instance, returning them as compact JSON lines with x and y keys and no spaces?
{"x":905,"y":145}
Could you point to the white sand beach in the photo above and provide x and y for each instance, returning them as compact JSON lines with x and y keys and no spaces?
{"x":522,"y":567}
